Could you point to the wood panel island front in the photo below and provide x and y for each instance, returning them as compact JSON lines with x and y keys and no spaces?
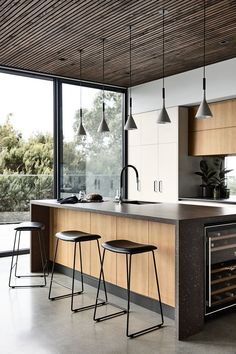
{"x":177,"y":231}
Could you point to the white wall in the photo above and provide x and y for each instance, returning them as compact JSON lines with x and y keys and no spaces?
{"x":186,"y":88}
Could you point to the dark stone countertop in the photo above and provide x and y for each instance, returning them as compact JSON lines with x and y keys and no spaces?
{"x":230,"y":200}
{"x":163,"y":212}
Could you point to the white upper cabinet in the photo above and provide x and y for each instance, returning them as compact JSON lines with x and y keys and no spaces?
{"x":148,"y":128}
{"x":168,"y":133}
{"x":168,"y":172}
{"x":160,"y":154}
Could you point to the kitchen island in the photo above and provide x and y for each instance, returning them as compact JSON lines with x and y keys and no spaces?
{"x":178,"y":232}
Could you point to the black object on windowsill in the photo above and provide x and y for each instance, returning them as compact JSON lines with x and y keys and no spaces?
{"x":69,"y":200}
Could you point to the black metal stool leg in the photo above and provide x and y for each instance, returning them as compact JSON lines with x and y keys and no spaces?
{"x":81,"y":272}
{"x":128,"y":271}
{"x":103,"y":277}
{"x":52,"y":281}
{"x":106,"y":317}
{"x":44,"y":255}
{"x":81,"y":268}
{"x":152,"y":328}
{"x":158,"y":288}
{"x":41,"y":255}
{"x":53,"y":266}
{"x":17,"y":254}
{"x":12,"y":260}
{"x":73,"y":279}
{"x":72,"y":294}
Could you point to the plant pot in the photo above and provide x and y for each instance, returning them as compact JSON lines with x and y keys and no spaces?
{"x":207,"y":192}
{"x":216,"y":193}
{"x":225,"y":193}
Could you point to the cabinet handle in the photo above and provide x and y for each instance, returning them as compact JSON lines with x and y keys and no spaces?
{"x":209,"y":271}
{"x":160,"y":186}
{"x":155,"y":186}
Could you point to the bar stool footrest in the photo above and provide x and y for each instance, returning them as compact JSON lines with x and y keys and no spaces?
{"x":65,"y":295}
{"x":112,"y":315}
{"x":79,"y":309}
{"x":27,"y":286}
{"x":144,"y":331}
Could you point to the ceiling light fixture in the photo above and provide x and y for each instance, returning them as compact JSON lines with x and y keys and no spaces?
{"x":81,"y":130}
{"x":130,"y":123}
{"x":204,"y":109}
{"x":103,"y":127}
{"x":163,"y":117}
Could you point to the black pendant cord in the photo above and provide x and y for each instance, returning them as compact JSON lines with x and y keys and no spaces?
{"x":80,"y":76}
{"x":163,"y":56}
{"x":204,"y":47}
{"x":130,"y":79}
{"x":103,"y":77}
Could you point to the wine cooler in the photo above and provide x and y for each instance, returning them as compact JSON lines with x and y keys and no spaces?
{"x":220,"y":267}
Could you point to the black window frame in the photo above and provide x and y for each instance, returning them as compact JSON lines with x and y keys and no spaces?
{"x":58,"y":147}
{"x":57,"y":116}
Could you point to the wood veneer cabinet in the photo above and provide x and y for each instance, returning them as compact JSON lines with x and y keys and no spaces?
{"x":111,"y":227}
{"x":105,"y":226}
{"x":216,"y":135}
{"x":137,"y":231}
{"x":65,"y":219}
{"x":162,"y":236}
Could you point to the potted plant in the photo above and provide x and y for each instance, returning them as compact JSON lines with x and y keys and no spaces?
{"x":221,"y":190}
{"x":207,"y":182}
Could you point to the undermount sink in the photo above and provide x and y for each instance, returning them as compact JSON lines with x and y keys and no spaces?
{"x":137,"y":202}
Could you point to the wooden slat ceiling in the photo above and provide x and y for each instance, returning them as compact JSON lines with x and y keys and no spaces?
{"x":46,"y":35}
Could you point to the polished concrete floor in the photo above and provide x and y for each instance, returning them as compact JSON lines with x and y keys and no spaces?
{"x":31,"y":324}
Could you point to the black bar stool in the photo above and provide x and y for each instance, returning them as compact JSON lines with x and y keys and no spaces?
{"x":128,"y":248}
{"x":76,"y":237}
{"x":29,"y":226}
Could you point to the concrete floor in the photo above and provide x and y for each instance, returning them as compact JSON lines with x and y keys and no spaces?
{"x":30,"y":323}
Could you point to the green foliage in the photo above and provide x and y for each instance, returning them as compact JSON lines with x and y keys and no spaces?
{"x":26,"y":166}
{"x":17,"y":190}
{"x":220,"y":180}
{"x":19,"y":160}
{"x":206,"y":173}
{"x":101,"y":151}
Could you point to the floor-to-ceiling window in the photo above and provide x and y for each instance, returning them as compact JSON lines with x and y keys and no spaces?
{"x":230,"y":165}
{"x":91,"y":163}
{"x":26,"y":149}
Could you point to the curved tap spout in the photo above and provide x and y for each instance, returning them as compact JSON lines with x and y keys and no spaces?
{"x":121,"y":179}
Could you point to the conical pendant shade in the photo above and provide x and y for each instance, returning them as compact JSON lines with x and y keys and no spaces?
{"x":204,"y":110}
{"x":130,"y":124}
{"x":103,"y":127}
{"x":81,"y":130}
{"x":163,"y":117}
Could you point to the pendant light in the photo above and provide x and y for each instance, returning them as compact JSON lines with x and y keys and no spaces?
{"x":163,"y":117}
{"x":81,"y":130}
{"x":130,"y":123}
{"x":204,"y":109}
{"x":103,"y":127}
